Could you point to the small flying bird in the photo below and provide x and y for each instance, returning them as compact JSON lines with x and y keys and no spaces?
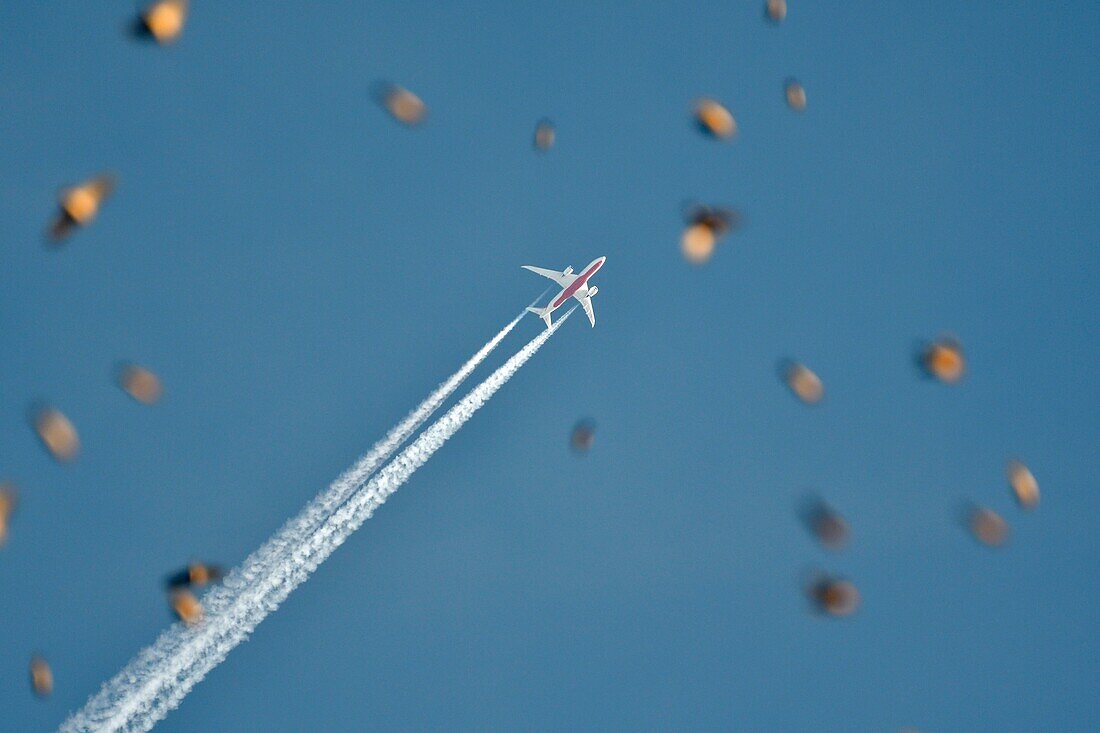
{"x":573,"y":286}
{"x":775,"y":10}
{"x":56,"y":433}
{"x":544,"y":135}
{"x":186,"y":606}
{"x":825,"y":524}
{"x":140,"y":383}
{"x":8,"y":499}
{"x":1024,"y":486}
{"x":403,"y":105}
{"x":705,"y":227}
{"x":583,"y":436}
{"x":195,"y":575}
{"x":162,"y":21}
{"x":41,"y":676}
{"x":834,"y":596}
{"x":943,"y":360}
{"x":987,"y":526}
{"x":78,"y":206}
{"x":714,"y":119}
{"x":796,"y":95}
{"x":802,"y":382}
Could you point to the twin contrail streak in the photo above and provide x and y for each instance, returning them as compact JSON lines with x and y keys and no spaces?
{"x":158,"y":679}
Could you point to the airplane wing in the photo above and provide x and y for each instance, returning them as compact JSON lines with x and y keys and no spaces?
{"x":561,"y":279}
{"x":586,"y":303}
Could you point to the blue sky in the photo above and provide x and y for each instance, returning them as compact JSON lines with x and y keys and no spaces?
{"x":301,"y":270}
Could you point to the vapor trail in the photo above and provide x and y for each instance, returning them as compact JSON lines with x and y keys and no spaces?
{"x":155,"y":682}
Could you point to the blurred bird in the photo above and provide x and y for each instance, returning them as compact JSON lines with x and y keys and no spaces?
{"x":801,"y":380}
{"x":1024,"y":486}
{"x":403,"y":105}
{"x":140,"y":383}
{"x":705,"y":227}
{"x":186,"y":606}
{"x":834,"y":596}
{"x":825,"y":524}
{"x":78,"y":205}
{"x":8,"y":497}
{"x":943,"y":360}
{"x":195,"y":575}
{"x":583,"y":436}
{"x":713,"y":119}
{"x":41,"y":676}
{"x":162,"y":21}
{"x":987,"y":527}
{"x":775,"y":10}
{"x":796,"y":95}
{"x":544,"y":134}
{"x":56,"y":433}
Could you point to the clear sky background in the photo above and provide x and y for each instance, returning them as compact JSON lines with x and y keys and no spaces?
{"x":301,"y":270}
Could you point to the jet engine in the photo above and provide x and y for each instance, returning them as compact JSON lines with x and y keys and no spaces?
{"x":592,"y":291}
{"x":568,"y":270}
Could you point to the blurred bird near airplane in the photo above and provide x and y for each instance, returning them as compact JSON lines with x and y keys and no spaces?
{"x":403,"y":105}
{"x":705,"y":227}
{"x":8,"y":499}
{"x":713,"y":119}
{"x":79,"y":205}
{"x":1024,"y":486}
{"x":140,"y":383}
{"x":825,"y":524}
{"x":987,"y":526}
{"x":545,"y":133}
{"x":186,"y":606}
{"x":41,"y":676}
{"x":195,"y":575}
{"x":775,"y":10}
{"x":833,"y":596}
{"x":795,"y":94}
{"x":802,"y":382}
{"x":57,"y":434}
{"x":162,"y":21}
{"x":583,"y":436}
{"x":943,"y":359}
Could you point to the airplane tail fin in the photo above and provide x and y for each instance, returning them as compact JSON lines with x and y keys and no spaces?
{"x":543,"y":313}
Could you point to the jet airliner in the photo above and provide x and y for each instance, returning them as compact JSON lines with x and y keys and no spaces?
{"x":572,"y":285}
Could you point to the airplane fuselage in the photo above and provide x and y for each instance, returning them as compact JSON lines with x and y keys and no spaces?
{"x":580,"y":282}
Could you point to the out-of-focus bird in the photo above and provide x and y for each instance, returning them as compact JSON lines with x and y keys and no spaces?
{"x":943,"y":360}
{"x":545,"y":133}
{"x":795,"y":94}
{"x":140,"y":383}
{"x":705,"y":227}
{"x":41,"y":676}
{"x":583,"y":436}
{"x":8,"y":498}
{"x":56,"y":433}
{"x":162,"y":21}
{"x":714,"y":119}
{"x":79,"y":205}
{"x":196,"y":575}
{"x":775,"y":10}
{"x":826,"y":525}
{"x":186,"y":606}
{"x":987,"y":526}
{"x":834,"y":596}
{"x":1024,"y":486}
{"x":802,"y":382}
{"x":403,"y":105}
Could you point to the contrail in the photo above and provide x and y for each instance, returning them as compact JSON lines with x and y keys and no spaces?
{"x":157,"y":680}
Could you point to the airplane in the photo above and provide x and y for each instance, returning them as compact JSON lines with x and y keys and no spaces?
{"x":575,"y":286}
